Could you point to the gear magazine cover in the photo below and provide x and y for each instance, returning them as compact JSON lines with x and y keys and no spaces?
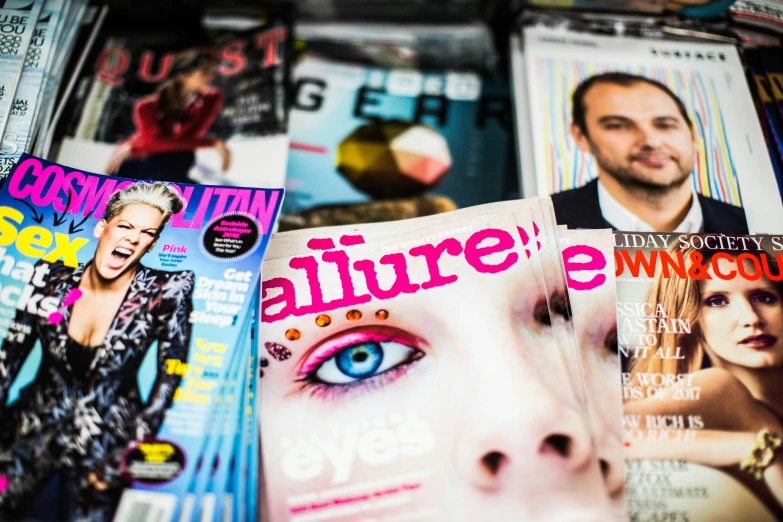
{"x":122,"y":307}
{"x":643,"y":135}
{"x":413,"y":375}
{"x":700,"y":335}
{"x":200,"y":104}
{"x":402,"y":143}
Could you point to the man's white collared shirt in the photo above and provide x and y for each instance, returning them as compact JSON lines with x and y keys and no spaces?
{"x":623,"y":219}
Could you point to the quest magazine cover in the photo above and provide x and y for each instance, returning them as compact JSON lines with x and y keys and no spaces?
{"x":197,"y":105}
{"x":121,"y":306}
{"x":644,"y":135}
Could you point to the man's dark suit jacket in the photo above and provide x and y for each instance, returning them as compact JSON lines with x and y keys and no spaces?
{"x":579,"y":208}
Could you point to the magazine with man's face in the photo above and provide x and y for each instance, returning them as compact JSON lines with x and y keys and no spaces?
{"x":645,"y":135}
{"x":406,"y":377}
{"x":700,"y":337}
{"x":122,"y":307}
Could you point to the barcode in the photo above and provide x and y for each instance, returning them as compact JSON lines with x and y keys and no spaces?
{"x":145,"y":506}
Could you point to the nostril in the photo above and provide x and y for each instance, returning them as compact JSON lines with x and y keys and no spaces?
{"x":604,"y":469}
{"x":560,"y":444}
{"x":493,"y":461}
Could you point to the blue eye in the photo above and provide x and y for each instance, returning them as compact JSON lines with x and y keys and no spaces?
{"x":360,"y":361}
{"x":364,"y":360}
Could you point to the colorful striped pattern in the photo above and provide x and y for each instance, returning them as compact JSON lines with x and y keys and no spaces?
{"x":568,"y":167}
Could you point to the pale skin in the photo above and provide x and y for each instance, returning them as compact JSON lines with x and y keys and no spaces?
{"x":644,"y":150}
{"x":105,"y":284}
{"x":742,"y":327}
{"x":192,"y":83}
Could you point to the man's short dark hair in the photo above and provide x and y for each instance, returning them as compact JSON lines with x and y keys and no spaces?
{"x":624,"y":80}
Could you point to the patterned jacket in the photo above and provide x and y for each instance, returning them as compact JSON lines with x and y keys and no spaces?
{"x":91,"y":421}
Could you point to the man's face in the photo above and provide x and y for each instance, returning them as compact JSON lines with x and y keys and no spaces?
{"x":637,"y":135}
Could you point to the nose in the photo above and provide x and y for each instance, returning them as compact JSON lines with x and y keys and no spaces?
{"x":747,"y":314}
{"x":610,"y":459}
{"x":519,"y":432}
{"x":649,"y":137}
{"x":134,"y":236}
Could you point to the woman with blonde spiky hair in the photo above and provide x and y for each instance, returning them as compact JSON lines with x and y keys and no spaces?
{"x":83,"y":409}
{"x":733,"y":356}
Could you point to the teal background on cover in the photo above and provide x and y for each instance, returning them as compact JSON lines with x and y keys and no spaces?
{"x":480,"y":156}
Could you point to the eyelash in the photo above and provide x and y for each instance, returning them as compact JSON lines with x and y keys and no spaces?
{"x":327,"y":391}
{"x":126,"y":227}
{"x":309,"y":382}
{"x":762,"y":297}
{"x":617,"y":126}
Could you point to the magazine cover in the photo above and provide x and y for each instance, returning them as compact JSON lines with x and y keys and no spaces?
{"x":69,"y":14}
{"x":700,"y":335}
{"x":535,"y":223}
{"x":191,"y":105}
{"x":646,"y":135}
{"x":243,"y":486}
{"x":588,"y":263}
{"x":766,"y":106}
{"x":17,"y":23}
{"x":465,"y":46}
{"x":401,"y":143}
{"x":764,"y":14}
{"x":19,"y":124}
{"x":73,"y":36}
{"x":122,"y":303}
{"x":773,"y":71}
{"x":390,"y":395}
{"x":209,"y":483}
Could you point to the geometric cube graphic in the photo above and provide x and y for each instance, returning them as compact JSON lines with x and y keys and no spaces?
{"x":393,"y":158}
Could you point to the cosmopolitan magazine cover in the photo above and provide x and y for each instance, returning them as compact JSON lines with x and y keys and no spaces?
{"x":122,"y":307}
{"x":644,"y":135}
{"x":413,"y":374}
{"x":195,"y":105}
{"x":700,"y":336}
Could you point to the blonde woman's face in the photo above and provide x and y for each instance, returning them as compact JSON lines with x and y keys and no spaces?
{"x":125,"y":239}
{"x":742,"y":320}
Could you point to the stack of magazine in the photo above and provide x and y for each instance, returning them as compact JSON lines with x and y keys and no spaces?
{"x":430,"y":369}
{"x":38,"y":39}
{"x":480,"y":364}
{"x":488,"y":364}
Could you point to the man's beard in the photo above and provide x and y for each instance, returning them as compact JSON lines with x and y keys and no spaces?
{"x":632,"y":181}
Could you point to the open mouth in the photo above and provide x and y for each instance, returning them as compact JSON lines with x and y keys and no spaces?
{"x":759,"y":342}
{"x":119,"y":256}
